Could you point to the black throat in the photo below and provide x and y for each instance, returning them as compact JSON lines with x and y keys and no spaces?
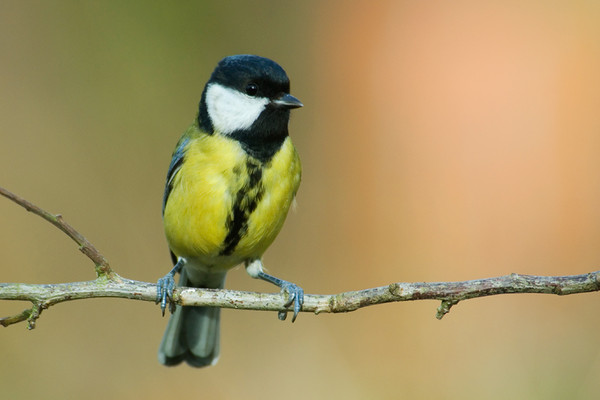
{"x":263,"y":139}
{"x":262,"y":149}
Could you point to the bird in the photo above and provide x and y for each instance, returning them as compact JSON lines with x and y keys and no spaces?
{"x":233,"y":176}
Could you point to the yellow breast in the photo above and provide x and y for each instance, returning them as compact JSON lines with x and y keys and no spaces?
{"x":224,"y":206}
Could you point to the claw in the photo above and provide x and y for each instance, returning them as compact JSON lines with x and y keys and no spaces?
{"x":295,"y":296}
{"x":294,"y":292}
{"x":165,"y":287}
{"x":164,"y":293}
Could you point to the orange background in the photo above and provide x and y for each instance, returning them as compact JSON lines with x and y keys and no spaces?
{"x":441,"y":141}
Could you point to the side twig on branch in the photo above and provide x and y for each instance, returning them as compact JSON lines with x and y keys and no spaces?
{"x":110,"y":284}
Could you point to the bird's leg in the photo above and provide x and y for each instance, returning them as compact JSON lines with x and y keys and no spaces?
{"x":294,"y":292}
{"x":165,"y":286}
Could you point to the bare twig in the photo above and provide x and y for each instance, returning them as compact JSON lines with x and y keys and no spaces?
{"x":109,"y":284}
{"x":102,"y":267}
{"x":449,"y":293}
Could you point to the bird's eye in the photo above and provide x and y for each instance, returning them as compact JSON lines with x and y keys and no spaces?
{"x":252,"y":89}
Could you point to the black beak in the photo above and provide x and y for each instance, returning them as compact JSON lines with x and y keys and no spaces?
{"x":287,"y":101}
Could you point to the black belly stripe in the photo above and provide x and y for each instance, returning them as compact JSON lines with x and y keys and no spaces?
{"x":246,"y":201}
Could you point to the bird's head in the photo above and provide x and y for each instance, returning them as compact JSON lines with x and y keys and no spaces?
{"x":247,"y":97}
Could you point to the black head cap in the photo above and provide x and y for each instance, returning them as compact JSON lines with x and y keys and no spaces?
{"x":239,"y":71}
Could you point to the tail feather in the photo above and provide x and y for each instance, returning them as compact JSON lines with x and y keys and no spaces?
{"x":192,"y":334}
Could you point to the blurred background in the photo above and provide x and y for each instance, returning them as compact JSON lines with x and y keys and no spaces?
{"x":441,"y":141}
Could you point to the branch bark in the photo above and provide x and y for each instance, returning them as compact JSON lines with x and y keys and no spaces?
{"x":110,"y":284}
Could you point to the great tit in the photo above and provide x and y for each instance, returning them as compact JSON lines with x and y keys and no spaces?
{"x":232,"y":178}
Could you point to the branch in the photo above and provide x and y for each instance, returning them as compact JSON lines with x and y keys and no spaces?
{"x":109,"y":284}
{"x":102,"y":267}
{"x":449,"y":293}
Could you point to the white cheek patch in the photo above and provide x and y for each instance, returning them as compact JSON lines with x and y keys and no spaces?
{"x":231,"y":110}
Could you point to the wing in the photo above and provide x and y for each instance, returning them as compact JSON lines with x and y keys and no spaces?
{"x":174,"y":167}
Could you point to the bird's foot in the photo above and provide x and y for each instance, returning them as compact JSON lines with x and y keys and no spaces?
{"x":294,"y":292}
{"x":295,"y":296}
{"x":165,"y":287}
